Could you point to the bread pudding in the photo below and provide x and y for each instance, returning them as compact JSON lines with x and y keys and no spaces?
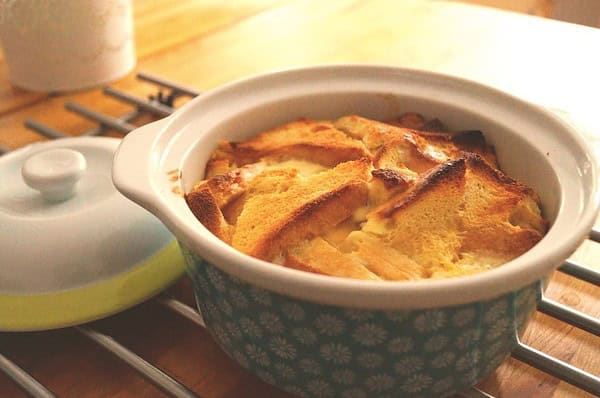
{"x":404,"y":199}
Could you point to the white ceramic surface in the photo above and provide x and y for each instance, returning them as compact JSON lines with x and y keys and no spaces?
{"x":54,"y":246}
{"x":532,"y":145}
{"x":63,"y":45}
{"x":54,"y":172}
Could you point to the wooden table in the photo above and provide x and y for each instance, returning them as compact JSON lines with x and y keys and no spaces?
{"x":205,"y":43}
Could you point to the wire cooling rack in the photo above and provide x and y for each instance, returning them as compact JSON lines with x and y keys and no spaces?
{"x":162,"y":104}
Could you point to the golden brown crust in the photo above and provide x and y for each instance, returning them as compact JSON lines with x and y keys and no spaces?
{"x":386,"y":183}
{"x":311,"y":219}
{"x":422,"y":223}
{"x":405,"y":151}
{"x":416,"y":121}
{"x":221,"y":161}
{"x":372,"y":133}
{"x":383,"y":260}
{"x":271,"y":221}
{"x":357,"y":198}
{"x":395,"y":145}
{"x":314,"y":140}
{"x":501,"y":216}
{"x":230,"y":185}
{"x":411,"y":120}
{"x":319,"y":257}
{"x":204,"y":206}
{"x":390,"y":178}
{"x":479,"y":165}
{"x":449,"y":173}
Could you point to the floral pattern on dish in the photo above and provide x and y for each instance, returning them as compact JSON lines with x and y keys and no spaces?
{"x":293,"y":344}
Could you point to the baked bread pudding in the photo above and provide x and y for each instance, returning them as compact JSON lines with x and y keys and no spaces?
{"x":358,"y":198}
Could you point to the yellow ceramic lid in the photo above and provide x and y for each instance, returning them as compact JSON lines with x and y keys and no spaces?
{"x":72,"y":248}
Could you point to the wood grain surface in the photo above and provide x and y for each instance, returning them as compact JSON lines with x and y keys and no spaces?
{"x":205,"y":43}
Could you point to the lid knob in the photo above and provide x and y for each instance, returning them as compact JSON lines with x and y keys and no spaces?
{"x":54,"y":172}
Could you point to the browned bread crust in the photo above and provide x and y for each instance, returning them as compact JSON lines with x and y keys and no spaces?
{"x":273,"y":220}
{"x":230,"y":185}
{"x":358,"y":198}
{"x":448,"y":175}
{"x":205,"y":207}
{"x":315,"y":140}
{"x":463,"y":210}
{"x":420,"y":148}
{"x":319,"y":257}
{"x":383,"y":260}
{"x":501,"y":216}
{"x":423,"y":222}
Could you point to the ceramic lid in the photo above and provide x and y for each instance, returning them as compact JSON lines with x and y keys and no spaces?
{"x":65,"y":229}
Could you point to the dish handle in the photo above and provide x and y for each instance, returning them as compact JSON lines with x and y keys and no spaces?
{"x":132,"y":164}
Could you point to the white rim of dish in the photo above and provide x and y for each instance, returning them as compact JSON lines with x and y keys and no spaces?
{"x":161,"y":145}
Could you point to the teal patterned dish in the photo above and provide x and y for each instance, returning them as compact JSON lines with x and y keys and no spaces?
{"x":319,"y":336}
{"x":315,"y":350}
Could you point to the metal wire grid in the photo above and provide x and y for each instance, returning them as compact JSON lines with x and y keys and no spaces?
{"x":162,"y":104}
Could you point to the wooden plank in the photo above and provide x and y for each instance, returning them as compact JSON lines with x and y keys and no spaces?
{"x":205,"y":43}
{"x":159,"y":26}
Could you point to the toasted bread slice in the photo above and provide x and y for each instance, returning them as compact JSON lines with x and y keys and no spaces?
{"x":229,"y":186}
{"x":221,"y":161}
{"x":372,"y":133}
{"x":404,"y":152}
{"x":216,"y":201}
{"x":416,"y":121}
{"x":419,"y":202}
{"x":409,"y":120}
{"x":315,"y":140}
{"x":382,"y":259}
{"x":501,"y":217}
{"x":205,"y":207}
{"x":270,"y":180}
{"x":318,"y":256}
{"x":419,"y":150}
{"x":448,"y":142}
{"x":392,"y":146}
{"x":423,"y":221}
{"x":386,"y":183}
{"x":463,"y":217}
{"x":454,"y":144}
{"x":273,"y":220}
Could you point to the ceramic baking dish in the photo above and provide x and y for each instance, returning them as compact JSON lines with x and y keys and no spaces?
{"x":319,"y":336}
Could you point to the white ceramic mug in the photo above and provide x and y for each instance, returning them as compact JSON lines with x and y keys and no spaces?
{"x":61,"y":45}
